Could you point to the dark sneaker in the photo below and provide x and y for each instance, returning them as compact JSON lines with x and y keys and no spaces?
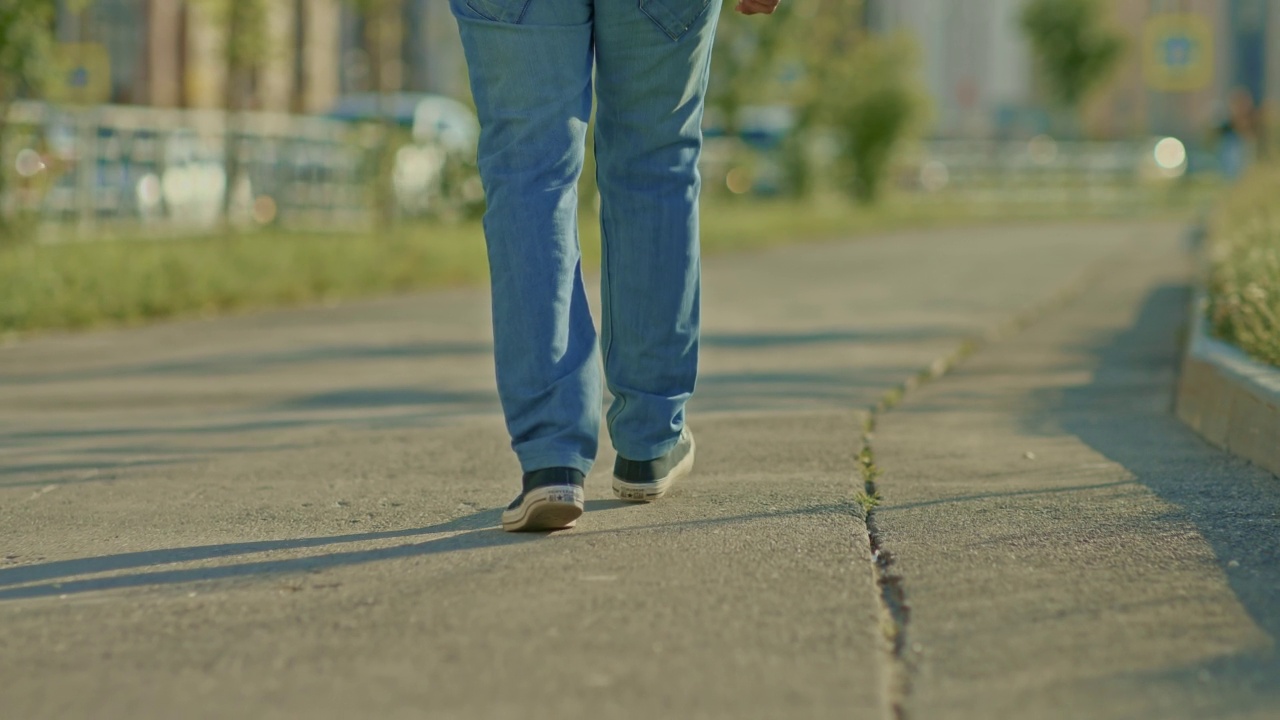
{"x":552,"y":500}
{"x":648,"y":480}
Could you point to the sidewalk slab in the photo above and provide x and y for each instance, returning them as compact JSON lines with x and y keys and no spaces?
{"x":1068,"y":548}
{"x":294,"y":513}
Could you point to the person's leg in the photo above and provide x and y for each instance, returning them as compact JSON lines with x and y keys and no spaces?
{"x":652,"y":62}
{"x":530,"y":66}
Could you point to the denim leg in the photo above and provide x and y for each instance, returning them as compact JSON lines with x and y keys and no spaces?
{"x":652,"y":62}
{"x":530,"y":66}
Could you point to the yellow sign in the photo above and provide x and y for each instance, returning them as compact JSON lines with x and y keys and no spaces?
{"x":1178,"y":52}
{"x":82,"y":74}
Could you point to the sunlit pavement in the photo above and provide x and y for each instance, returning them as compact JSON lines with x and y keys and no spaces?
{"x":294,"y":514}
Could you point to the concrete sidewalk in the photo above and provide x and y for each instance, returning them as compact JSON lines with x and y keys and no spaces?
{"x":1069,"y":549}
{"x":293,"y":514}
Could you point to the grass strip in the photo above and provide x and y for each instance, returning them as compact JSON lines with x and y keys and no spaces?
{"x":1244,"y":276}
{"x":75,"y":285}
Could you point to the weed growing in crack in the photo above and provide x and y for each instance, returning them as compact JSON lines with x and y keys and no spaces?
{"x":868,"y":501}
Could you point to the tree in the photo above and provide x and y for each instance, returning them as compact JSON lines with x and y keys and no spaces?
{"x":816,"y":59}
{"x":873,"y":111}
{"x":384,"y":36}
{"x":747,"y":52}
{"x":820,"y":48}
{"x":245,"y":47}
{"x":1073,"y":47}
{"x":26,"y":43}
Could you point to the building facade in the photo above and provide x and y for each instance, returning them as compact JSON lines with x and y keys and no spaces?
{"x":170,"y":53}
{"x":979,"y":70}
{"x":975,"y":62}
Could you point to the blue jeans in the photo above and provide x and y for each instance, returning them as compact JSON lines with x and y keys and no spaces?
{"x":531,"y":67}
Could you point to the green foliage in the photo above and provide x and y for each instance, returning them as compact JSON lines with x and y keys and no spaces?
{"x":384,"y":34}
{"x":873,"y":107}
{"x":26,"y":38}
{"x":79,"y":285}
{"x":369,"y":7}
{"x":1244,"y":282}
{"x":26,"y":43}
{"x":748,"y":51}
{"x":817,"y":46}
{"x":814,"y":58}
{"x":247,"y":43}
{"x":868,"y":501}
{"x":76,"y":285}
{"x":1074,"y":48}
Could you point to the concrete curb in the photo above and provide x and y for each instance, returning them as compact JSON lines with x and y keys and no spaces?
{"x":1228,"y":397}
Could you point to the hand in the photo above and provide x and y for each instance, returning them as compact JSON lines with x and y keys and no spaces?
{"x":757,"y":7}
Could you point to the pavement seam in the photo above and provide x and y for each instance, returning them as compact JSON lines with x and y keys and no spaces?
{"x":895,"y":609}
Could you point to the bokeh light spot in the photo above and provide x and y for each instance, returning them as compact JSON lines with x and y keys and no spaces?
{"x":934,"y":176}
{"x":738,"y":181}
{"x":264,"y":209}
{"x":1170,"y":153}
{"x":28,"y":163}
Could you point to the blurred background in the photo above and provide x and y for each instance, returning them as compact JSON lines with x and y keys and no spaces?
{"x":150,"y":120}
{"x":333,"y":114}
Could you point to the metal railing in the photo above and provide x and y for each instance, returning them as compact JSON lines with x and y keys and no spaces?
{"x":1104,"y":177}
{"x":140,"y":171}
{"x":163,"y":172}
{"x":1098,"y":177}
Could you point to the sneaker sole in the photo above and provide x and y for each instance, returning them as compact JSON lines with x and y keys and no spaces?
{"x":554,"y":507}
{"x":650,"y":491}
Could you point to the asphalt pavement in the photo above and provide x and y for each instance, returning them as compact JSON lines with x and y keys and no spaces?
{"x":294,"y":513}
{"x":1068,"y":548}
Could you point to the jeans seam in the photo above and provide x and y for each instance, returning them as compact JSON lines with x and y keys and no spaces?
{"x":523,"y":9}
{"x":606,"y":256}
{"x":661,"y":25}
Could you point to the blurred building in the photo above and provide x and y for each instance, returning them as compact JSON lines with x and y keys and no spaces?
{"x":169,"y":53}
{"x":976,"y":63}
{"x":979,"y":69}
{"x":430,"y":53}
{"x":1241,"y":41}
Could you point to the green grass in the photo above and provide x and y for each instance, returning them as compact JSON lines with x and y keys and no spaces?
{"x":122,"y":282}
{"x":78,"y":285}
{"x":1244,"y":281}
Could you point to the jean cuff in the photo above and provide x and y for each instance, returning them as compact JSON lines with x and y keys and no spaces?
{"x":650,"y":452}
{"x":529,"y":463}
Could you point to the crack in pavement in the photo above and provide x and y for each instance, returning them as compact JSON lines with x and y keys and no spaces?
{"x":894,"y":607}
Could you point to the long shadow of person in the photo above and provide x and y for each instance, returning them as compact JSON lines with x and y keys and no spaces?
{"x":63,"y":577}
{"x":473,"y":531}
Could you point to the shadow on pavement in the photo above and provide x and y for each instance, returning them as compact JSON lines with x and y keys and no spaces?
{"x":24,"y":438}
{"x":1125,"y":414}
{"x":147,"y":558}
{"x":982,"y":497}
{"x":469,"y":532}
{"x":27,"y":468}
{"x":748,"y":341}
{"x":60,"y":450}
{"x":364,"y":398}
{"x":834,"y":388}
{"x":242,"y":363}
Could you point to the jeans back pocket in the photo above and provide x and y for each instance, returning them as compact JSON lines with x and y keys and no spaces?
{"x":505,"y":11}
{"x":675,"y":17}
